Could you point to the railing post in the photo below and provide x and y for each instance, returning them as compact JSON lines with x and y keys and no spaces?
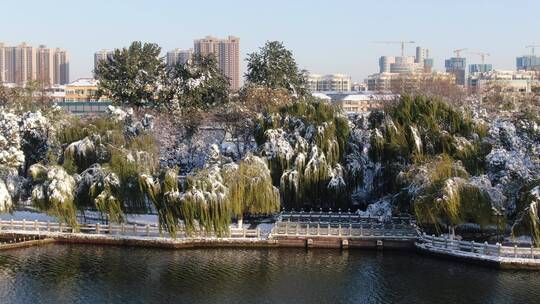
{"x":24,"y":225}
{"x":110,"y":228}
{"x":515,"y":251}
{"x":472,"y":246}
{"x":350,"y":228}
{"x":307,"y":229}
{"x":446,"y":242}
{"x":485,"y":247}
{"x":48,"y":226}
{"x":296,"y":229}
{"x":36,"y":225}
{"x":286,"y":228}
{"x":328,"y":232}
{"x":134,"y":229}
{"x":499,"y":249}
{"x":339,"y":229}
{"x":97,"y":228}
{"x":122,"y":228}
{"x":433,"y":240}
{"x":532,"y":252}
{"x":258,"y":232}
{"x":244,"y":231}
{"x":60,"y":227}
{"x":361,"y":228}
{"x":147,"y":230}
{"x":12,"y":226}
{"x":318,"y":229}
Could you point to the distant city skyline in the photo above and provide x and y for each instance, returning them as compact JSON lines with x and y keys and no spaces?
{"x":325,"y":39}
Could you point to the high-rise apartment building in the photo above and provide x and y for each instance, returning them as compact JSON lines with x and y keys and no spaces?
{"x":456,"y":66}
{"x":227,"y":52}
{"x":178,"y":56}
{"x":480,"y":68}
{"x":102,"y":55}
{"x":23,"y":63}
{"x":45,"y":65}
{"x":61,"y":67}
{"x":2,"y":63}
{"x":528,"y":63}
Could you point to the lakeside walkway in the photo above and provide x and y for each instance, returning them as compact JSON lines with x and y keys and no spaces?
{"x":292,"y":229}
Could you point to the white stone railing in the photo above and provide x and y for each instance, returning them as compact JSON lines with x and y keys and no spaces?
{"x":361,"y":231}
{"x":343,"y":217}
{"x":115,"y":229}
{"x":493,"y":250}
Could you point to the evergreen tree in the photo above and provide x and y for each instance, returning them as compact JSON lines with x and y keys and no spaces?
{"x":131,"y":76}
{"x":274,"y":66}
{"x":196,"y":84}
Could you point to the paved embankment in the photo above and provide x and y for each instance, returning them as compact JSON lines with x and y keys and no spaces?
{"x":506,"y":257}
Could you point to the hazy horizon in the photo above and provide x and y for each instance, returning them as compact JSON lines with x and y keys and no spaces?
{"x":324,"y":37}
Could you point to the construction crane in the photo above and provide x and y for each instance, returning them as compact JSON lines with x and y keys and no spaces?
{"x":397,"y":42}
{"x":481,"y":54}
{"x":532,"y":46}
{"x":458,"y":52}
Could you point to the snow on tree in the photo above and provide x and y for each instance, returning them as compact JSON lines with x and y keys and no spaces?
{"x":196,"y":84}
{"x":53,"y":191}
{"x":250,"y":189}
{"x":274,"y":67}
{"x":132,"y":75}
{"x":528,"y":219}
{"x":303,"y":143}
{"x":105,"y":191}
{"x":11,"y":155}
{"x":442,"y":192}
{"x":37,"y":134}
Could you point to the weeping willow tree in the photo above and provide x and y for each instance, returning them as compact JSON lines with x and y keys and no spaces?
{"x":205,"y":202}
{"x":417,"y":129}
{"x":250,"y":189}
{"x":164,"y":193}
{"x":528,"y":218}
{"x":106,"y":194}
{"x":303,"y":144}
{"x":445,"y":195}
{"x":53,"y":192}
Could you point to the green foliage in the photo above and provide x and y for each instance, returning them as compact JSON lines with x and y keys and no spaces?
{"x":250,"y":188}
{"x":527,"y":221}
{"x":131,"y":76}
{"x":128,"y":166}
{"x":198,"y":83}
{"x":319,"y":144}
{"x":274,"y":66}
{"x":447,"y":197}
{"x":106,"y":195}
{"x":417,"y":129}
{"x":53,"y":192}
{"x":205,"y":201}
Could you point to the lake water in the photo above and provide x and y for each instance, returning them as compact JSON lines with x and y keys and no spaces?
{"x":101,"y":274}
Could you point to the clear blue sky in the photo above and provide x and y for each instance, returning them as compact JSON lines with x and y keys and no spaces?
{"x":325,"y":36}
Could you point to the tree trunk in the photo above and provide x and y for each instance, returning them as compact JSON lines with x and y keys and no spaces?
{"x":240,"y":222}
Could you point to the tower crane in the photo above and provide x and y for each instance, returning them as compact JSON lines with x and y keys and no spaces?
{"x":397,"y":42}
{"x":532,"y":46}
{"x":482,"y":55}
{"x":458,"y":52}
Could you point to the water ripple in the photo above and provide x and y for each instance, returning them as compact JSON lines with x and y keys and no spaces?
{"x":87,"y":274}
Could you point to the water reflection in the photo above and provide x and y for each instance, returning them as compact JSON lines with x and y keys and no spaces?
{"x":88,"y":274}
